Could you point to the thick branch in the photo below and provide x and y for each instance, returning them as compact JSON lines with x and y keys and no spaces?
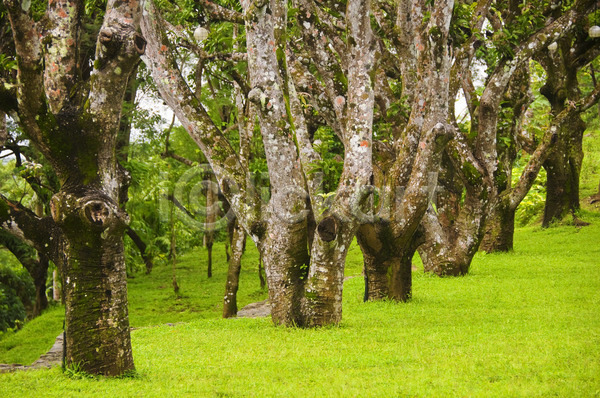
{"x":62,"y":53}
{"x":415,"y":200}
{"x":30,"y":87}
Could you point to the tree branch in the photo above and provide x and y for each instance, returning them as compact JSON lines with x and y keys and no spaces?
{"x":190,"y":112}
{"x":531,"y":170}
{"x":62,"y":56}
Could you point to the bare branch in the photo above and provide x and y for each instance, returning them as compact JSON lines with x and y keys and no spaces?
{"x":62,"y":57}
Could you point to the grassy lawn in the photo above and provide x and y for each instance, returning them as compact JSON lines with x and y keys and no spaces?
{"x":523,"y":324}
{"x":520,"y":324}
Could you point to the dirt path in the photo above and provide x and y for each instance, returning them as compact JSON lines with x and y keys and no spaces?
{"x":49,"y":359}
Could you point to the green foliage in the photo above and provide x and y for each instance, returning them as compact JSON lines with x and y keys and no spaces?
{"x":153,"y":181}
{"x":496,"y":46}
{"x":14,"y":187}
{"x":7,"y":63}
{"x":331,"y":151}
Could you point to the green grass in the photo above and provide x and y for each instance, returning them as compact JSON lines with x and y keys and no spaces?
{"x":522,"y":324}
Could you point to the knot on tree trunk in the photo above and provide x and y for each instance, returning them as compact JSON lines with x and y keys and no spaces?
{"x":258,"y":97}
{"x":119,"y":39}
{"x":94,"y":210}
{"x":327,"y":229}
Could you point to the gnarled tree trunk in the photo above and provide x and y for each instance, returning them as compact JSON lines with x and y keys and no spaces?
{"x":304,"y":269}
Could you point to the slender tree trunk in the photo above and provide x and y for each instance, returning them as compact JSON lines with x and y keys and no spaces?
{"x":238,"y":243}
{"x":173,"y":250}
{"x":41,"y":275}
{"x":209,"y":225}
{"x":141,"y":245}
{"x":56,"y":293}
{"x":209,"y":247}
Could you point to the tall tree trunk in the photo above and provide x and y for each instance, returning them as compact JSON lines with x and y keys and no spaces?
{"x":563,"y":169}
{"x":209,"y":224}
{"x":563,"y":165}
{"x":39,"y":280}
{"x":173,"y":249}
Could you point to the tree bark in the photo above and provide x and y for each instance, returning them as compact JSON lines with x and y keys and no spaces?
{"x":387,"y":264}
{"x":500,"y":229}
{"x":95,"y":291}
{"x":450,"y":246}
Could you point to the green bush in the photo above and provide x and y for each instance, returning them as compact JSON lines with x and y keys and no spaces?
{"x":16,"y":291}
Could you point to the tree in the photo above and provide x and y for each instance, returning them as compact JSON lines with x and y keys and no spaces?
{"x":413,"y":38}
{"x":473,"y":177}
{"x":563,"y":165}
{"x":303,"y":239}
{"x":71,"y":82}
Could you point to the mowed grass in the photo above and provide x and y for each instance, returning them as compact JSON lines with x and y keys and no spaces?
{"x":523,"y":324}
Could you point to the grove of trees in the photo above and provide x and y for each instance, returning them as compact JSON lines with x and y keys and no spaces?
{"x":410,"y":125}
